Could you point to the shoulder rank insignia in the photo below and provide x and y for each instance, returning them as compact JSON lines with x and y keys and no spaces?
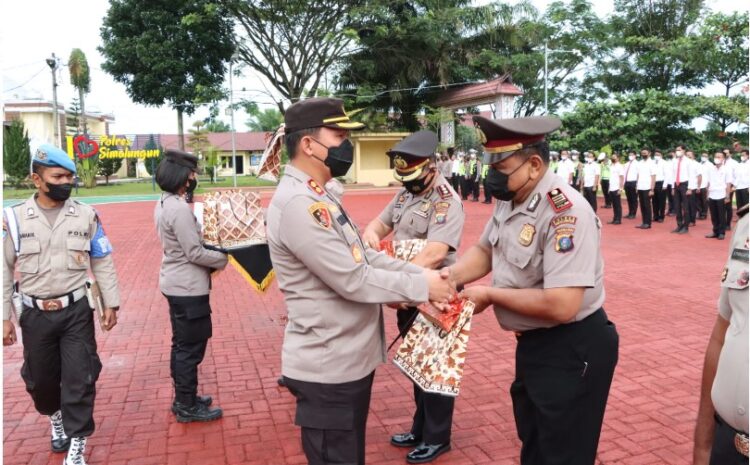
{"x":444,"y":191}
{"x":315,"y":187}
{"x":526,"y":237}
{"x":531,"y":207}
{"x":558,"y":200}
{"x":441,"y":212}
{"x":320,"y":213}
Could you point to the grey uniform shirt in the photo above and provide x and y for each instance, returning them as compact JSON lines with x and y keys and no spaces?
{"x":730,"y":389}
{"x":333,"y":286}
{"x":54,"y":259}
{"x":551,"y":240}
{"x":437,"y":216}
{"x":185,"y":265}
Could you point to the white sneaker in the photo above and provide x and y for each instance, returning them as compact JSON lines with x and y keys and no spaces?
{"x":75,"y":453}
{"x":60,"y":441}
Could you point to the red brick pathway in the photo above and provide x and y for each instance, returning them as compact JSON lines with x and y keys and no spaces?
{"x":661,"y":292}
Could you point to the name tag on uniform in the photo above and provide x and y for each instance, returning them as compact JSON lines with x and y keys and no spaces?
{"x":740,"y":254}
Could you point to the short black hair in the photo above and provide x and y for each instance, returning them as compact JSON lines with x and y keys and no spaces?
{"x":291,"y":140}
{"x":540,"y":148}
{"x":38,"y":168}
{"x":172,"y":177}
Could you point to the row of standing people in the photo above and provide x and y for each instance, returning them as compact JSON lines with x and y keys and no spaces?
{"x":679,"y":185}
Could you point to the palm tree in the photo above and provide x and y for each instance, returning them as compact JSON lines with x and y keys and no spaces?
{"x":81,"y":80}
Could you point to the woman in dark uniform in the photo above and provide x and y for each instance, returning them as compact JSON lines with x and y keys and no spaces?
{"x":185,"y":280}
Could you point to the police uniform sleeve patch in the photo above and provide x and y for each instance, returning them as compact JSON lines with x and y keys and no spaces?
{"x":441,"y":212}
{"x":444,"y":192}
{"x":564,"y":240}
{"x":100,"y":245}
{"x":563,"y":219}
{"x":321,"y":215}
{"x":313,"y":186}
{"x":357,"y":253}
{"x":558,"y":200}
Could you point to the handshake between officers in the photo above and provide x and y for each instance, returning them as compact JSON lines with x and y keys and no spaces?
{"x":53,"y":242}
{"x":333,"y":287}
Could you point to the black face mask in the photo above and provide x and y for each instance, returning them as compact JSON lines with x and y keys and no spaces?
{"x":497,"y":183}
{"x":340,"y":158}
{"x":192,"y":184}
{"x":417,"y":186}
{"x":59,"y":192}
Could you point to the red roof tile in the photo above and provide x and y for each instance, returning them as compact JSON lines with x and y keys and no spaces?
{"x":477,"y":94}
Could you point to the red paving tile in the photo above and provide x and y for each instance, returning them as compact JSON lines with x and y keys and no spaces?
{"x":661,"y":292}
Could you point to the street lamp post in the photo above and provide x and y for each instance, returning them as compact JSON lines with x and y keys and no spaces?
{"x":52,"y":63}
{"x":235,"y":55}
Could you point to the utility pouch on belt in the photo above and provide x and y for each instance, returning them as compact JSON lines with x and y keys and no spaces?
{"x":17,"y":301}
{"x":94,"y":296}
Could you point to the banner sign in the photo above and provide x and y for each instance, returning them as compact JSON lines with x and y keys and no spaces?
{"x":82,"y":146}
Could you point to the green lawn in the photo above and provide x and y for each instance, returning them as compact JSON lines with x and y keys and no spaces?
{"x":141,"y":188}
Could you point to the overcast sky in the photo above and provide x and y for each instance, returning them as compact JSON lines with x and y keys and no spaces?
{"x":31,"y":30}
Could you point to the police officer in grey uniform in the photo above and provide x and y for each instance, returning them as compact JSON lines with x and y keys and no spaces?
{"x":333,"y":287}
{"x":53,"y":241}
{"x":426,"y":208}
{"x":721,"y":432}
{"x":542,"y":246}
{"x":185,"y":280}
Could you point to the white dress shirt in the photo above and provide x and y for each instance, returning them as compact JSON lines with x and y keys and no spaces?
{"x":682,"y":166}
{"x":645,"y":169}
{"x":590,"y":172}
{"x":694,"y":171}
{"x":615,"y":171}
{"x":742,"y":175}
{"x":731,"y":165}
{"x":717,"y":183}
{"x":631,"y":170}
{"x":706,"y":168}
{"x":565,"y":169}
{"x":669,"y":172}
{"x":659,"y":165}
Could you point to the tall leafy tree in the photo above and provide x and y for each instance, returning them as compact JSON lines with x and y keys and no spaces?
{"x":265,"y":120}
{"x":292,"y":43}
{"x":650,"y":43}
{"x":407,"y":51}
{"x":153,"y":163}
{"x":212,"y":121}
{"x":16,"y":152}
{"x":80,"y":77}
{"x":108,"y":167}
{"x":721,"y":50}
{"x":168,"y":51}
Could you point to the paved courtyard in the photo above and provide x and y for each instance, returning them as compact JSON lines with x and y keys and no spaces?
{"x":661,"y":288}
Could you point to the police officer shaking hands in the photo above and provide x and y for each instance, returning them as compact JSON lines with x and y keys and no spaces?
{"x":53,"y":242}
{"x":542,"y":246}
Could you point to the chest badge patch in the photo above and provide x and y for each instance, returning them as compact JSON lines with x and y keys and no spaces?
{"x":526,"y":237}
{"x":558,"y":200}
{"x":315,"y":187}
{"x":320,"y":213}
{"x":441,"y":212}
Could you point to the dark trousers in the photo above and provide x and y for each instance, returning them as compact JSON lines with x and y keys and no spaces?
{"x":605,"y":191}
{"x":590,"y":195}
{"x":716,"y":207}
{"x":658,"y":201}
{"x":670,"y":200}
{"x":191,"y":328}
{"x":60,"y":364}
{"x":645,"y":202}
{"x":681,"y":208}
{"x":333,"y":418}
{"x":693,"y":205}
{"x":455,"y":182}
{"x":742,"y":197}
{"x":433,"y":417}
{"x":487,"y":194}
{"x":461,"y":186}
{"x":475,"y":189}
{"x":723,"y":451}
{"x":563,"y":375}
{"x":632,"y":196}
{"x":702,"y":202}
{"x":728,"y":211}
{"x":616,"y":202}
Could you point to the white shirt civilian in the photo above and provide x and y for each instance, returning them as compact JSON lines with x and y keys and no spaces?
{"x":694,"y":172}
{"x":615,"y":171}
{"x":565,"y":169}
{"x":645,"y":169}
{"x":731,"y":165}
{"x":455,"y":165}
{"x":682,"y":169}
{"x":631,"y":171}
{"x":659,"y":165}
{"x":717,"y":183}
{"x":706,"y":168}
{"x":742,"y":175}
{"x":669,"y":173}
{"x":590,"y":172}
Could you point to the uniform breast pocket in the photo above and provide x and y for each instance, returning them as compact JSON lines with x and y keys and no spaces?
{"x":28,"y":256}
{"x":78,"y":253}
{"x":418,"y":225}
{"x":519,"y":258}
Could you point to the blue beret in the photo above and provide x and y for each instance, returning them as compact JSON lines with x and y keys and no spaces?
{"x":49,"y":155}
